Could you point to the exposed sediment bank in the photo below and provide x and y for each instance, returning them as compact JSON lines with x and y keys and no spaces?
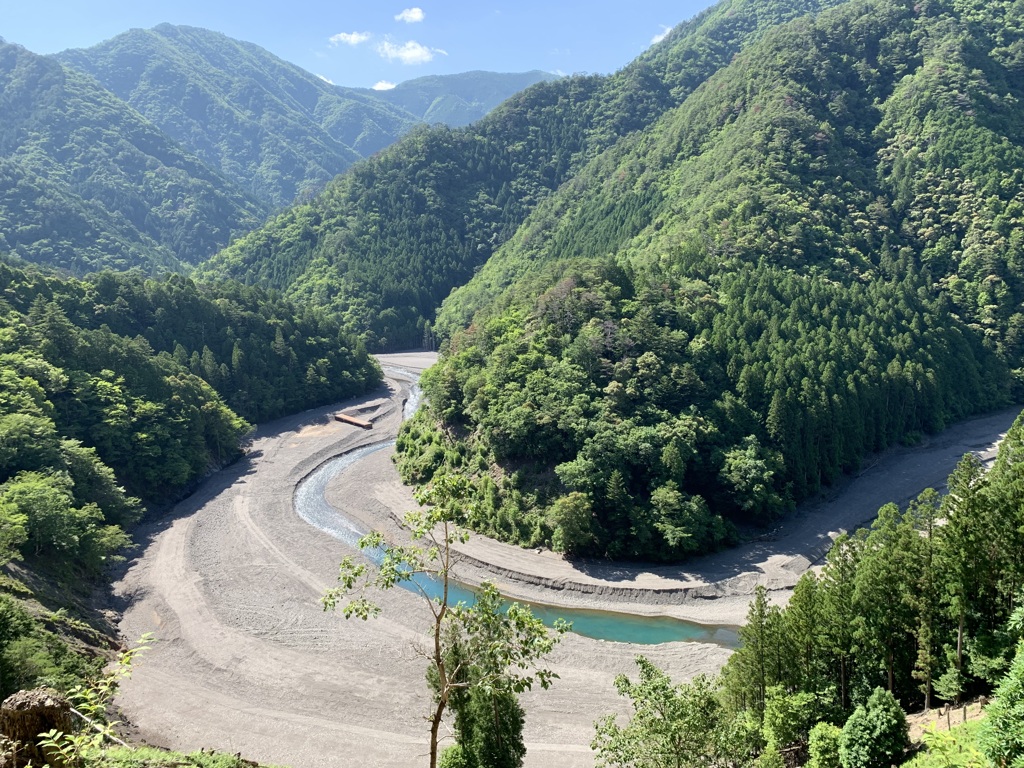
{"x":247,"y":661}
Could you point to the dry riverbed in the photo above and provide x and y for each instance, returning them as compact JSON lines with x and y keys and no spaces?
{"x":246,"y":661}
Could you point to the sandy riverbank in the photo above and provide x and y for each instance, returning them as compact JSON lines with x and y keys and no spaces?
{"x":246,"y":661}
{"x":714,"y":589}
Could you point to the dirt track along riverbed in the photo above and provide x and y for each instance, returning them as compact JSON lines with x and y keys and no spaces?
{"x":246,"y":661}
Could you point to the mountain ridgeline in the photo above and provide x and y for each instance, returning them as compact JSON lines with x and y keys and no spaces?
{"x":458,"y":100}
{"x":814,"y":256}
{"x":158,"y":147}
{"x":273,"y":128}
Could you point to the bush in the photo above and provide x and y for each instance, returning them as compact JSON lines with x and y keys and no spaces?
{"x":453,"y":757}
{"x":1002,"y":733}
{"x":875,"y":736}
{"x":823,"y":746}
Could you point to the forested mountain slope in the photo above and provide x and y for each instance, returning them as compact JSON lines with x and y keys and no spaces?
{"x":460,"y":99}
{"x":117,"y":389}
{"x":265,"y":356}
{"x":816,"y":255}
{"x":86,"y":182}
{"x":841,"y":144}
{"x":385,"y":243}
{"x":277,"y":130}
{"x":271,"y":126}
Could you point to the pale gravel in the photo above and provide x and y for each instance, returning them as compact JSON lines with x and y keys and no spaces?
{"x":246,"y":661}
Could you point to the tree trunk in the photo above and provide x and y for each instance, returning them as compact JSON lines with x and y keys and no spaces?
{"x":842,"y":680}
{"x":26,"y":714}
{"x":435,"y":728}
{"x":960,"y":644}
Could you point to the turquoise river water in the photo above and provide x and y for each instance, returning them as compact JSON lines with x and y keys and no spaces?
{"x":312,"y":506}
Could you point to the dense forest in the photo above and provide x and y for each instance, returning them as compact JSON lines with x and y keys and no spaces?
{"x":386,"y":243}
{"x":926,"y":606}
{"x":814,"y":257}
{"x":120,"y":391}
{"x":643,"y":415}
{"x":842,"y":143}
{"x":86,"y":183}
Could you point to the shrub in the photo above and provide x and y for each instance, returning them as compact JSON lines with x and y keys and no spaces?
{"x":875,"y":736}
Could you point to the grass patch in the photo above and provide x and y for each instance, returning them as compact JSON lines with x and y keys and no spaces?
{"x":956,"y":748}
{"x":151,"y":757}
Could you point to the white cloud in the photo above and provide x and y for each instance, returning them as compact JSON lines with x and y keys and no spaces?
{"x":350,"y":38}
{"x":383,"y":85}
{"x":409,"y":52}
{"x":661,"y":35}
{"x":326,"y":80}
{"x":411,"y":15}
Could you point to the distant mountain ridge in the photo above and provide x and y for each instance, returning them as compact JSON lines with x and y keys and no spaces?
{"x":460,"y":99}
{"x":277,"y":130}
{"x":155,"y":149}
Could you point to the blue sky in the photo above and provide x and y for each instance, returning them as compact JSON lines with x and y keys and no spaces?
{"x":366,"y":42}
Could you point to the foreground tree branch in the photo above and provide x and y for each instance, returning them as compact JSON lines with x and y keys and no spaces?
{"x":501,"y":644}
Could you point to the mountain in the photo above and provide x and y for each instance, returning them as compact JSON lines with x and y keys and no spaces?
{"x":383,"y":245}
{"x":814,"y":256}
{"x":461,"y":99}
{"x":86,"y":182}
{"x":275,"y":129}
{"x":158,"y":375}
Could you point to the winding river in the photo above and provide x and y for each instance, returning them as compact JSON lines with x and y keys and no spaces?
{"x":312,"y":506}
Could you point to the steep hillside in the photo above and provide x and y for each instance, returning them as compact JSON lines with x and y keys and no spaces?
{"x":88,"y":183}
{"x":870,"y":146}
{"x":461,"y":99}
{"x":814,"y":256}
{"x":274,"y":128}
{"x":384,"y":244}
{"x":118,"y":389}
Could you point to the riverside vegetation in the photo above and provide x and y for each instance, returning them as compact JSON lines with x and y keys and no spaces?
{"x":924,"y":605}
{"x":110,"y":400}
{"x":686,"y":296}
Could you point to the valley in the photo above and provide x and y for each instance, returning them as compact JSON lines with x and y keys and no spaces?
{"x":246,"y":660}
{"x":706,"y":327}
